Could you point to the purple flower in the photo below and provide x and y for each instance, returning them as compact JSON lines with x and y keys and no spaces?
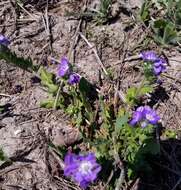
{"x":81,"y":168}
{"x":150,"y":115}
{"x":159,"y":66}
{"x":4,"y":41}
{"x":137,"y":115}
{"x":52,"y":60}
{"x":144,"y":115}
{"x":148,"y":56}
{"x":64,"y":68}
{"x":159,"y":81}
{"x":74,"y":78}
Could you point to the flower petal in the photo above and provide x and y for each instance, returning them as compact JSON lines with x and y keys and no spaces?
{"x":148,"y":56}
{"x":74,"y":79}
{"x":4,"y":41}
{"x":152,"y":117}
{"x":157,"y":70}
{"x":64,"y":67}
{"x":83,"y":169}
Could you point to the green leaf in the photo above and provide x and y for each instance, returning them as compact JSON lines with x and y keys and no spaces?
{"x":1,"y":109}
{"x":145,"y":89}
{"x":84,"y":86}
{"x":150,"y":147}
{"x":2,"y":155}
{"x":178,"y":13}
{"x":79,"y":119}
{"x":47,"y":80}
{"x":85,"y":91}
{"x":130,"y":173}
{"x":20,"y":62}
{"x":104,"y":7}
{"x":170,"y":34}
{"x":131,"y":95}
{"x":165,"y":32}
{"x":144,"y":11}
{"x":102,"y":147}
{"x":148,"y":72}
{"x":169,"y":134}
{"x":120,"y":122}
{"x":47,"y":103}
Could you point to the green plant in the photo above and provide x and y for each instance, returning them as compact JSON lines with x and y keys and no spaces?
{"x":167,"y":27}
{"x":2,"y":155}
{"x":165,"y":32}
{"x":3,"y":158}
{"x":134,"y":94}
{"x":103,"y":14}
{"x":1,"y":109}
{"x":112,"y":138}
{"x":123,"y":137}
{"x":144,"y":14}
{"x":12,"y":58}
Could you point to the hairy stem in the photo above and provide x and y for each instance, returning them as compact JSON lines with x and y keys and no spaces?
{"x":57,"y":96}
{"x":120,"y":165}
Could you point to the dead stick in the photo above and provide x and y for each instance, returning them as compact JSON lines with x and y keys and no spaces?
{"x":95,"y":52}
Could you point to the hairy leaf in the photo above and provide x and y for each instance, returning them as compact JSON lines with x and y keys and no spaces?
{"x":47,"y":80}
{"x":120,"y":122}
{"x":20,"y":62}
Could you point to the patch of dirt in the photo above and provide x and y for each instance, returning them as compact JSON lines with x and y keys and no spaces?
{"x":27,"y":129}
{"x":25,"y":136}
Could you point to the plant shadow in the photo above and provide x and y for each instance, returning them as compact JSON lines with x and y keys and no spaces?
{"x":164,"y":168}
{"x":159,"y":94}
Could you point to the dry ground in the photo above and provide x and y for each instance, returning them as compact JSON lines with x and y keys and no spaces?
{"x":38,"y":32}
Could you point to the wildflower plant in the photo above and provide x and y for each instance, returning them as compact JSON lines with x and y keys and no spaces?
{"x":166,"y":26}
{"x":124,"y":136}
{"x":67,"y":90}
{"x":103,"y":14}
{"x":118,"y":135}
{"x":154,"y":65}
{"x":144,"y":115}
{"x":4,"y":41}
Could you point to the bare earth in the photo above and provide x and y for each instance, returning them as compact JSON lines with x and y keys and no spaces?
{"x":26,"y":129}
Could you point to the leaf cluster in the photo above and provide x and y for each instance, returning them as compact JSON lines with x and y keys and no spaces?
{"x":134,"y":94}
{"x":74,"y":100}
{"x":167,"y":25}
{"x":103,"y":14}
{"x":12,"y":58}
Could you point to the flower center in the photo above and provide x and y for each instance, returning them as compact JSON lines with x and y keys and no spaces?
{"x":85,"y":167}
{"x":144,"y":124}
{"x":149,"y":117}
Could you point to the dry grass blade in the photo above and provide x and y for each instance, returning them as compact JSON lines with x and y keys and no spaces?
{"x":32,"y":16}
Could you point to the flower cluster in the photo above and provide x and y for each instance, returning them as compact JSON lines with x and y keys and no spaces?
{"x":64,"y":69}
{"x":144,"y":115}
{"x":159,"y":64}
{"x":83,"y":169}
{"x":4,"y":41}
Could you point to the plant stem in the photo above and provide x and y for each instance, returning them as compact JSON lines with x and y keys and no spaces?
{"x":120,"y":165}
{"x":57,"y":96}
{"x":120,"y":180}
{"x":140,"y":87}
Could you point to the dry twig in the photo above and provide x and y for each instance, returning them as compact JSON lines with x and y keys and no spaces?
{"x":95,"y":52}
